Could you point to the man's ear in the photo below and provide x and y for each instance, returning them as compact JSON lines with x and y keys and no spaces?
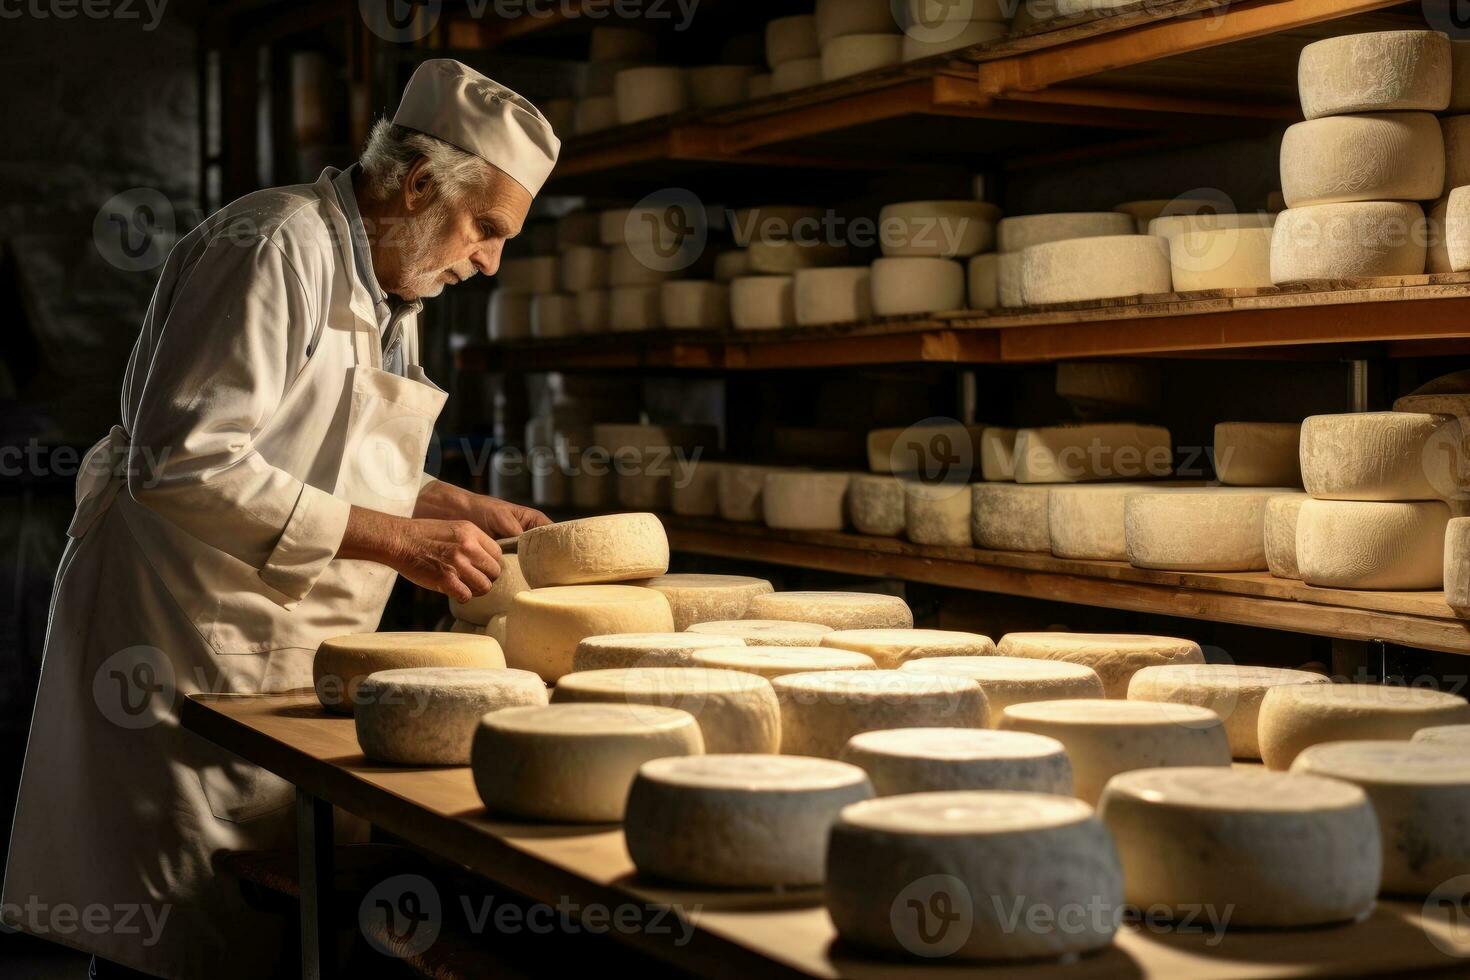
{"x":418,"y":188}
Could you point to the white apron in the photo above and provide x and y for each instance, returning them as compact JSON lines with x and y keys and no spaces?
{"x":121,"y":812}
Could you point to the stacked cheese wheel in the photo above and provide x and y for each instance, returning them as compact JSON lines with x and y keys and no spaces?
{"x":1355,"y":173}
{"x":924,"y":245}
{"x":777,"y":243}
{"x":936,"y":27}
{"x":856,"y":36}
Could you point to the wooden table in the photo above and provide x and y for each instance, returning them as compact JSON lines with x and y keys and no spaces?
{"x":733,"y":934}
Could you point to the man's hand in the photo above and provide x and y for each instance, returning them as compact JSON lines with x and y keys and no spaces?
{"x":497,"y":518}
{"x":456,"y":558}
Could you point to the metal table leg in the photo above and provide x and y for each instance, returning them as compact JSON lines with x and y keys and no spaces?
{"x":314,"y":849}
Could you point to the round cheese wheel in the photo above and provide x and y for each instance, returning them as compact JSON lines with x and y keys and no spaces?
{"x":736,"y":711}
{"x":1385,"y":156}
{"x":875,"y":504}
{"x":857,"y":53}
{"x":1449,"y":228}
{"x":595,"y":114}
{"x":694,"y":305}
{"x":1456,"y":133}
{"x":633,"y":266}
{"x":740,"y":489}
{"x":1284,"y":850}
{"x":839,"y":610}
{"x":1379,"y":456}
{"x":480,"y":609}
{"x":937,"y":229}
{"x":1010,"y":517}
{"x":718,"y":85}
{"x":767,"y":632}
{"x":1211,"y":530}
{"x":707,"y":598}
{"x":911,"y":286}
{"x":697,"y":494}
{"x":495,"y":629}
{"x":463,"y":627}
{"x":584,"y":267}
{"x":509,"y":315}
{"x":1421,"y":794}
{"x":844,"y":18}
{"x":1349,"y":241}
{"x":841,"y":294}
{"x":1087,"y":522}
{"x":650,"y":92}
{"x":621,"y":44}
{"x":1355,"y":544}
{"x":949,"y":39}
{"x":1145,"y":211}
{"x":1258,"y":454}
{"x":1105,"y":738}
{"x":1008,"y":267}
{"x":632,"y":309}
{"x":785,"y":256}
{"x":951,"y":852}
{"x":545,"y":626}
{"x":1015,"y":680}
{"x":1172,"y":227}
{"x":1232,"y":691}
{"x":621,"y":650}
{"x":1457,"y":566}
{"x":998,"y":454}
{"x":936,"y":760}
{"x":892,"y":648}
{"x":1083,"y":453}
{"x":1373,"y":72}
{"x":805,"y":501}
{"x":983,"y":281}
{"x":738,"y":821}
{"x":923,"y":449}
{"x":341,"y":663}
{"x":821,"y":711}
{"x":594,"y":311}
{"x":791,"y":39}
{"x":539,"y":274}
{"x":763,"y":302}
{"x":790,"y":76}
{"x":1016,"y":234}
{"x":1095,"y":268}
{"x":1282,"y":512}
{"x":426,"y":716}
{"x":612,"y":548}
{"x":1451,"y":735}
{"x":1298,"y":716}
{"x":577,"y":230}
{"x":1115,"y":656}
{"x":773,"y":662}
{"x":937,"y":513}
{"x":1226,"y":258}
{"x":554,"y":315}
{"x":573,"y":763}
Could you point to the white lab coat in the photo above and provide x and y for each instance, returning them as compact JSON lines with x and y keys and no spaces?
{"x":255,"y":413}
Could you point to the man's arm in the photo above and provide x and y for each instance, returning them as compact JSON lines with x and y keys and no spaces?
{"x":450,"y":556}
{"x":497,"y":518}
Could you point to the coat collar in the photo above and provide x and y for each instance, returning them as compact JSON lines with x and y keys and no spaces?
{"x":362,"y":298}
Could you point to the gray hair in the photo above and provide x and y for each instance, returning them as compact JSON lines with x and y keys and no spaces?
{"x":391,"y":150}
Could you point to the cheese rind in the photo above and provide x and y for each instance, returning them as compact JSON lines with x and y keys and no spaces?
{"x":846,"y":18}
{"x":1015,"y":680}
{"x":1285,"y":850}
{"x":1355,"y":544}
{"x":341,"y":663}
{"x":1258,"y":454}
{"x":1457,"y":566}
{"x":998,"y":455}
{"x":1171,"y":227}
{"x":632,"y":309}
{"x":1349,"y":241}
{"x":1016,"y":234}
{"x":1084,"y":269}
{"x":773,"y":662}
{"x":890,"y":649}
{"x":839,"y":610}
{"x":1087,"y":522}
{"x":840,"y":294}
{"x":481,"y":609}
{"x":930,"y":450}
{"x":509,"y":316}
{"x":1387,"y":156}
{"x":613,"y":548}
{"x":934,"y":760}
{"x":706,"y":598}
{"x":937,"y":229}
{"x":1010,"y":516}
{"x":573,"y":763}
{"x":1282,"y":513}
{"x":1298,"y":716}
{"x":767,"y":632}
{"x":1145,"y":211}
{"x":426,"y":716}
{"x":694,"y":305}
{"x":649,"y":92}
{"x":1212,"y":530}
{"x":938,"y":513}
{"x":623,"y":650}
{"x":791,"y":39}
{"x":1449,"y":227}
{"x":736,"y":711}
{"x":1452,"y":735}
{"x":1232,"y":691}
{"x":545,"y":626}
{"x":1115,"y":656}
{"x":695,"y":491}
{"x":740,"y":490}
{"x":911,"y":286}
{"x":799,"y":74}
{"x":763,"y":302}
{"x":875,"y":504}
{"x":738,"y":821}
{"x":1008,"y":267}
{"x":1379,"y":456}
{"x":1084,"y":453}
{"x":983,"y":281}
{"x":1375,"y":72}
{"x":821,"y":711}
{"x":805,"y":501}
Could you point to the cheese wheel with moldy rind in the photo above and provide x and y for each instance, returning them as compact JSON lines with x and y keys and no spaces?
{"x":1457,"y":566}
{"x":821,"y":711}
{"x":1284,"y":850}
{"x":738,"y":821}
{"x":1225,"y":258}
{"x":839,"y":294}
{"x":694,"y":305}
{"x":763,"y":302}
{"x":892,"y":648}
{"x":1380,"y":456}
{"x":481,"y":609}
{"x":1385,"y":156}
{"x":1091,"y":452}
{"x":937,"y":229}
{"x":1087,"y":522}
{"x":1018,"y":233}
{"x":573,"y":763}
{"x":954,"y":851}
{"x":736,"y":711}
{"x":1421,"y":794}
{"x":1015,"y":680}
{"x":1258,"y":454}
{"x":767,"y":632}
{"x":911,"y":286}
{"x":773,"y":662}
{"x":1212,"y":530}
{"x":1085,"y":269}
{"x":805,"y":501}
{"x":875,"y":504}
{"x":740,"y":490}
{"x":1115,"y":656}
{"x":1358,"y":544}
{"x":426,"y":716}
{"x":1298,"y":716}
{"x":936,"y":760}
{"x":1375,"y":72}
{"x":1105,"y":738}
{"x":843,"y":57}
{"x":1010,"y":516}
{"x":938,"y":514}
{"x":545,"y":626}
{"x":1232,"y":691}
{"x":614,"y":548}
{"x":998,"y":454}
{"x":702,"y":598}
{"x":839,"y":610}
{"x":621,"y":650}
{"x":1362,"y":240}
{"x":342,"y":662}
{"x":1282,"y":513}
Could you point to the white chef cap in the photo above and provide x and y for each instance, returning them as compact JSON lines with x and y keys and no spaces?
{"x":458,"y":105}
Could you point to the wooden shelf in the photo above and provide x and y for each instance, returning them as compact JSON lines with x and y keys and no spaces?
{"x":1415,"y":619}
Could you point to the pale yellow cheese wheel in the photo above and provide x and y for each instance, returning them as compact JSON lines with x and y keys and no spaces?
{"x":342,"y":662}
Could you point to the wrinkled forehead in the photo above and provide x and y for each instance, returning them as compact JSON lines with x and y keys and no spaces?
{"x":501,"y":196}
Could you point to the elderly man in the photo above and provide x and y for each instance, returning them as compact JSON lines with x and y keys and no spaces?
{"x":263,"y":491}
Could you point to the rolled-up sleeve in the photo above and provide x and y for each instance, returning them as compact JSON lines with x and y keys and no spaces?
{"x":222,"y":360}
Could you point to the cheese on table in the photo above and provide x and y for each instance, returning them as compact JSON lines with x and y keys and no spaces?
{"x":712,"y":86}
{"x":1358,"y":544}
{"x":1298,"y":716}
{"x":1232,"y":691}
{"x":736,"y":711}
{"x":1089,"y":452}
{"x":983,"y":280}
{"x":954,"y":853}
{"x":1258,"y":454}
{"x":1107,"y":267}
{"x":649,"y":92}
{"x":1421,"y":794}
{"x":740,"y":489}
{"x":545,"y":626}
{"x":1282,"y":512}
{"x":703,"y":598}
{"x":875,"y":504}
{"x":821,"y":711}
{"x":342,"y":662}
{"x":937,"y":229}
{"x":480,"y":609}
{"x":620,"y":650}
{"x":1016,"y":234}
{"x":791,"y":39}
{"x":892,"y":648}
{"x":949,"y":39}
{"x":1349,"y":241}
{"x":934,"y":760}
{"x":844,"y":18}
{"x":738,"y":821}
{"x":854,"y":54}
{"x":1115,"y":656}
{"x":613,"y":548}
{"x":763,"y":302}
{"x":912,"y":286}
{"x":1010,"y":516}
{"x":1379,"y":456}
{"x":839,"y":610}
{"x":573,"y":763}
{"x":805,"y":501}
{"x":998,"y":455}
{"x":839,"y":294}
{"x":1452,"y":735}
{"x":509,"y":315}
{"x":1457,"y":566}
{"x":1276,"y":849}
{"x":1087,"y":522}
{"x":1373,"y":72}
{"x":1385,"y":156}
{"x":773,"y":662}
{"x":1222,"y":258}
{"x":1212,"y":530}
{"x":1015,"y":680}
{"x":694,"y":305}
{"x":1105,"y":738}
{"x":767,"y":632}
{"x":426,"y":716}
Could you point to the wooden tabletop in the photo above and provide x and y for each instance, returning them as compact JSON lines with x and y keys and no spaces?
{"x":734,"y":933}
